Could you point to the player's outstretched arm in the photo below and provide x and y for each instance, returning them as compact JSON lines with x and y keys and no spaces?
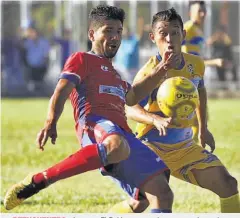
{"x":56,"y":105}
{"x":140,"y":115}
{"x":145,"y":85}
{"x":205,"y":137}
{"x":217,"y":62}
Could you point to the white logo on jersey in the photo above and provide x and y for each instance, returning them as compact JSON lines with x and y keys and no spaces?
{"x":158,"y":159}
{"x":104,"y":68}
{"x":190,"y":68}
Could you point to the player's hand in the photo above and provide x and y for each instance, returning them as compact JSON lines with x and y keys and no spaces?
{"x":220,"y":62}
{"x":162,"y":124}
{"x":50,"y":130}
{"x":169,"y":59}
{"x":206,"y":138}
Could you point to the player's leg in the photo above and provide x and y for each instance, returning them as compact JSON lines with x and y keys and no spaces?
{"x":102,"y":149}
{"x":222,"y":183}
{"x":204,"y":169}
{"x":142,"y":175}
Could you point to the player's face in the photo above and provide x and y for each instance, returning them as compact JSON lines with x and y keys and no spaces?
{"x":198,"y":13}
{"x":168,"y":36}
{"x":107,"y":38}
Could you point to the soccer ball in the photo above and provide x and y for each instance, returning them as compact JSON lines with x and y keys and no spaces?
{"x":177,"y":97}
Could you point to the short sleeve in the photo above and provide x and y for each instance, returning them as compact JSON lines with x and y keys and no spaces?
{"x":145,"y":70}
{"x":74,"y":69}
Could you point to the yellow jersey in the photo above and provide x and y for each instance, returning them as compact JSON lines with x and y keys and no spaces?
{"x":194,"y":39}
{"x":192,"y":67}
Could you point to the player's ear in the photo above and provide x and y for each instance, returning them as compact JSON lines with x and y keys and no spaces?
{"x":184,"y":34}
{"x":151,"y":37}
{"x":91,"y":34}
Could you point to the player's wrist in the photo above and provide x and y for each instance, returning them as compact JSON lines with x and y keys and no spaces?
{"x":160,"y":70}
{"x":51,"y":121}
{"x":153,"y":119}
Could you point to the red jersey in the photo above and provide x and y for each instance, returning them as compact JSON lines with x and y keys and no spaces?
{"x":99,"y":89}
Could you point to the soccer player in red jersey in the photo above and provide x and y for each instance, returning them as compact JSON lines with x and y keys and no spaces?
{"x":98,"y":96}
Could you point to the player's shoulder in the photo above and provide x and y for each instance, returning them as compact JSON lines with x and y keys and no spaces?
{"x":188,"y":25}
{"x":147,"y":68}
{"x":76,"y":56}
{"x":150,"y":64}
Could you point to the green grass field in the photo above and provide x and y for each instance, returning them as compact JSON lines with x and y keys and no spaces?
{"x":91,"y":192}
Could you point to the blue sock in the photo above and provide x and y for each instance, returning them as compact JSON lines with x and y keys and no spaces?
{"x":161,"y":211}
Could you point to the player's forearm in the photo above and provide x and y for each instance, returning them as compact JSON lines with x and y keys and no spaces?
{"x":144,"y":86}
{"x":202,"y":109}
{"x":57,"y":101}
{"x":138,"y":114}
{"x":210,"y":62}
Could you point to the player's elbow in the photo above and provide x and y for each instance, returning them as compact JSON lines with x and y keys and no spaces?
{"x":131,"y":103}
{"x":131,"y":99}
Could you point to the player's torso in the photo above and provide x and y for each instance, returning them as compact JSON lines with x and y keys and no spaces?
{"x":181,"y":130}
{"x":102,"y":92}
{"x":194,"y":40}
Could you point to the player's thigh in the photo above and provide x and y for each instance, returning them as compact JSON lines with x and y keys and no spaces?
{"x":142,"y":166}
{"x":190,"y":159}
{"x":158,"y":192}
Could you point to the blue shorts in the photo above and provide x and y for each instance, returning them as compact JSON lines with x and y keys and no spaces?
{"x":132,"y":173}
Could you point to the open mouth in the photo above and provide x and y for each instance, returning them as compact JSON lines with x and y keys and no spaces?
{"x":171,"y":47}
{"x":112,"y":46}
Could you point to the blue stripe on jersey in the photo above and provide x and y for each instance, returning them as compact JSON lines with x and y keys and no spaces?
{"x":71,"y":77}
{"x":174,"y":136}
{"x":154,"y":94}
{"x":194,"y":53}
{"x":144,"y":102}
{"x":201,"y":84}
{"x":184,"y":42}
{"x":196,"y":40}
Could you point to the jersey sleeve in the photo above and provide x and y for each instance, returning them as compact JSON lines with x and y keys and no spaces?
{"x":146,"y":69}
{"x":74,"y":69}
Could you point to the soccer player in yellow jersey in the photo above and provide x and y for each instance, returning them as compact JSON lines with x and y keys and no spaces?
{"x":173,"y":141}
{"x":194,"y":40}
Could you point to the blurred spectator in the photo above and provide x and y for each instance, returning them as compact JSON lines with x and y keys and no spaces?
{"x":221,"y":45}
{"x":11,"y":64}
{"x":143,"y":31}
{"x":36,"y":57}
{"x":127,"y":58}
{"x":65,"y":43}
{"x":89,"y":45}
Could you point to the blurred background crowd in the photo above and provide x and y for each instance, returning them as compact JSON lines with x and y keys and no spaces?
{"x":38,"y":36}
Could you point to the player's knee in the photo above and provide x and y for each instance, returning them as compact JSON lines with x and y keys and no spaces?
{"x":117,"y":148}
{"x":231,"y":185}
{"x":162,"y":197}
{"x":224,"y":184}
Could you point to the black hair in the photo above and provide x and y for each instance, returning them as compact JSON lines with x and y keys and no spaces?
{"x":166,"y":15}
{"x":104,"y":12}
{"x":202,"y":3}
